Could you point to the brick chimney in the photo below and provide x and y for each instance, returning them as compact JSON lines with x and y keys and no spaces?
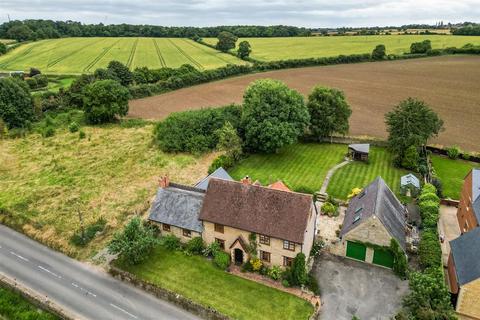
{"x":163,"y":182}
{"x":246,"y":180}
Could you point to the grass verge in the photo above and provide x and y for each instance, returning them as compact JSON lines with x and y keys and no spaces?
{"x":452,"y":173}
{"x":196,"y":278}
{"x":14,"y":307}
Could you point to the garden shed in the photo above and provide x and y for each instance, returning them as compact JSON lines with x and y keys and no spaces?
{"x":359,"y":151}
{"x":409,"y":185}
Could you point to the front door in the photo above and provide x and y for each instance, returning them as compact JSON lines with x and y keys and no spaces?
{"x":238,"y":256}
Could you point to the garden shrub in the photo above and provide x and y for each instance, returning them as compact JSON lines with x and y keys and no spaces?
{"x":437,"y":183}
{"x":275,"y":272}
{"x":247,"y":267}
{"x":48,"y":131}
{"x":221,"y":260}
{"x":16,"y":105}
{"x":194,"y":130}
{"x":285,"y":283}
{"x":429,"y":250}
{"x":212,"y":249}
{"x":400,"y":265}
{"x":429,"y":211}
{"x":256,"y":264}
{"x":73,"y":127}
{"x":171,"y":242}
{"x":316,"y":247}
{"x":329,"y":209}
{"x":429,"y":188}
{"x":81,"y":134}
{"x":223,"y":161}
{"x":453,"y":152}
{"x":298,"y":271}
{"x":428,"y":196}
{"x":89,"y":233}
{"x":195,"y":246}
{"x":312,"y":284}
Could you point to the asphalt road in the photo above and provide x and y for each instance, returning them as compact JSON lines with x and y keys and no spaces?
{"x":81,"y":289}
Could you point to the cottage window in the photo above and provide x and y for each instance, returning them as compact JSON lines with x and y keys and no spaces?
{"x":166,"y":227}
{"x":187,"y":233}
{"x":289,"y":245}
{"x":287,"y":261}
{"x":265,"y":256}
{"x":265,"y":240}
{"x":219,"y":228}
{"x":221,"y":243}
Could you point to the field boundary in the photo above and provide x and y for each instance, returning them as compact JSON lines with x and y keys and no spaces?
{"x":200,"y":47}
{"x":159,"y":53}
{"x":132,"y":53}
{"x":23,"y":54}
{"x":186,"y":55}
{"x":100,"y":56}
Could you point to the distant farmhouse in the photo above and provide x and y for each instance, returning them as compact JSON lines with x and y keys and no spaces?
{"x":221,"y":210}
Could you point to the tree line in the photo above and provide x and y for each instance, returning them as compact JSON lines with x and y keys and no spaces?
{"x":48,"y":29}
{"x":469,"y":30}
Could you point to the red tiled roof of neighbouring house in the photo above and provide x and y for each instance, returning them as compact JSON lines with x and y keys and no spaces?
{"x":279,"y":185}
{"x":275,"y":213}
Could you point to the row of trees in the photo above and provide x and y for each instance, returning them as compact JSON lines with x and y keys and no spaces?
{"x":469,"y":30}
{"x":48,"y":29}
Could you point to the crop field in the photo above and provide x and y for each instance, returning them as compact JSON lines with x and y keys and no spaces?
{"x":269,"y":49}
{"x":84,"y":55}
{"x":449,"y":84}
{"x":111,"y":174}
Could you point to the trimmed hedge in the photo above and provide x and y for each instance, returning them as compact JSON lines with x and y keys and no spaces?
{"x":429,"y":251}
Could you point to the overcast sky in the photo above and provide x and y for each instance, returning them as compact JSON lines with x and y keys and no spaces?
{"x":308,"y":13}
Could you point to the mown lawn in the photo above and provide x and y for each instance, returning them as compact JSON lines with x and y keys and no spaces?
{"x":359,"y":174}
{"x":111,"y":174}
{"x":302,"y":166}
{"x":451,"y":173}
{"x":14,"y":307}
{"x":196,"y":278}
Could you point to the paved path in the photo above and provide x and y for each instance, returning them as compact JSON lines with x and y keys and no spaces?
{"x":78,"y":288}
{"x":330,"y":173}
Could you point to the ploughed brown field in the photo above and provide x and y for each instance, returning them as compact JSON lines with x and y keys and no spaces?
{"x":449,"y":84}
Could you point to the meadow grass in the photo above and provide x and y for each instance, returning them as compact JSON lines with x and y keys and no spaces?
{"x":84,"y":55}
{"x":269,"y":49}
{"x":110,"y":174}
{"x":452,"y":173}
{"x":358,"y":174}
{"x":302,"y":166}
{"x":13,"y":306}
{"x":196,"y":278}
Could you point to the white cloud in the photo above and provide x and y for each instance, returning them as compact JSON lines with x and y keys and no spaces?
{"x":312,"y":13}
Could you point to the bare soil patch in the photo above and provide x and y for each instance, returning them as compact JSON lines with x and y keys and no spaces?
{"x":450,"y":84}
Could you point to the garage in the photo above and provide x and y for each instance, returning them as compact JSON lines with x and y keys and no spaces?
{"x":356,"y":250}
{"x":383,"y":257}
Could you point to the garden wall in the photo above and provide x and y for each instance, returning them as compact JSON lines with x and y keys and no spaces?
{"x":35,"y":298}
{"x":164,"y":294}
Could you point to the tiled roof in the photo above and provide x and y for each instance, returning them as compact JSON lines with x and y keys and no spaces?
{"x":466,"y":256}
{"x":360,"y":147}
{"x":220,"y":173}
{"x":279,"y":185}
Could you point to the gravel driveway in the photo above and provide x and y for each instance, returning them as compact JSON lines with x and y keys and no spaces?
{"x":351,"y":288}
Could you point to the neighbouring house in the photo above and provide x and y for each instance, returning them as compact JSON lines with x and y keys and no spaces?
{"x":373,"y":218}
{"x":359,"y":151}
{"x":176,"y":209}
{"x":468,"y":213}
{"x":283,"y":222}
{"x":279,"y":185}
{"x":464,"y":273}
{"x":409,"y":185}
{"x":220,"y":173}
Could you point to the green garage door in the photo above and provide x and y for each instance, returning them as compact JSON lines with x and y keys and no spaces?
{"x":356,"y":250}
{"x":383,"y":258}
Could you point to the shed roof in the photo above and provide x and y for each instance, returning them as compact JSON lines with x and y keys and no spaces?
{"x":378,"y":200}
{"x":466,"y":252}
{"x":178,"y":206}
{"x":360,"y":147}
{"x":410,"y":179}
{"x":275,"y":213}
{"x":220,"y":173}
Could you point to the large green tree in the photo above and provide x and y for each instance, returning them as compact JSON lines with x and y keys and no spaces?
{"x":329,"y":112}
{"x":379,"y":52}
{"x":244,"y":50}
{"x":134,"y":243}
{"x":226,"y":41}
{"x":16,"y":106}
{"x":105,"y":100}
{"x":120,"y":72}
{"x":411,"y":123}
{"x":3,"y":48}
{"x":20,"y":33}
{"x":273,"y":116}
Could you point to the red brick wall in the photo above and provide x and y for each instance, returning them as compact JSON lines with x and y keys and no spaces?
{"x":466,"y":217}
{"x":452,"y":276}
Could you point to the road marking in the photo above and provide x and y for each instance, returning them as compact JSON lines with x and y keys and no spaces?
{"x":84,"y":290}
{"x":50,"y":272}
{"x":19,"y":256}
{"x":117,"y":307}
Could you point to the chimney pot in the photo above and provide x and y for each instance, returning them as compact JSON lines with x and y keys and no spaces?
{"x":246,"y":180}
{"x":164,"y":182}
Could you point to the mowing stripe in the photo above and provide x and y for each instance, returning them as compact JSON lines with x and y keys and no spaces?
{"x":200,"y":47}
{"x":186,"y":55}
{"x":100,"y":56}
{"x":159,"y":53}
{"x":132,"y":53}
{"x":54,"y":62}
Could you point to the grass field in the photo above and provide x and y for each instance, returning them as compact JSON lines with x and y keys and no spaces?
{"x":451,"y":173}
{"x":302,"y":166}
{"x":196,"y":278}
{"x":112,"y":173}
{"x":83,"y":55}
{"x":269,"y":49}
{"x":14,"y":307}
{"x":359,"y":174}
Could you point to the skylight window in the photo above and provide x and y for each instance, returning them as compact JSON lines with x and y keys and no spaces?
{"x":356,"y":218}
{"x":358,"y":209}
